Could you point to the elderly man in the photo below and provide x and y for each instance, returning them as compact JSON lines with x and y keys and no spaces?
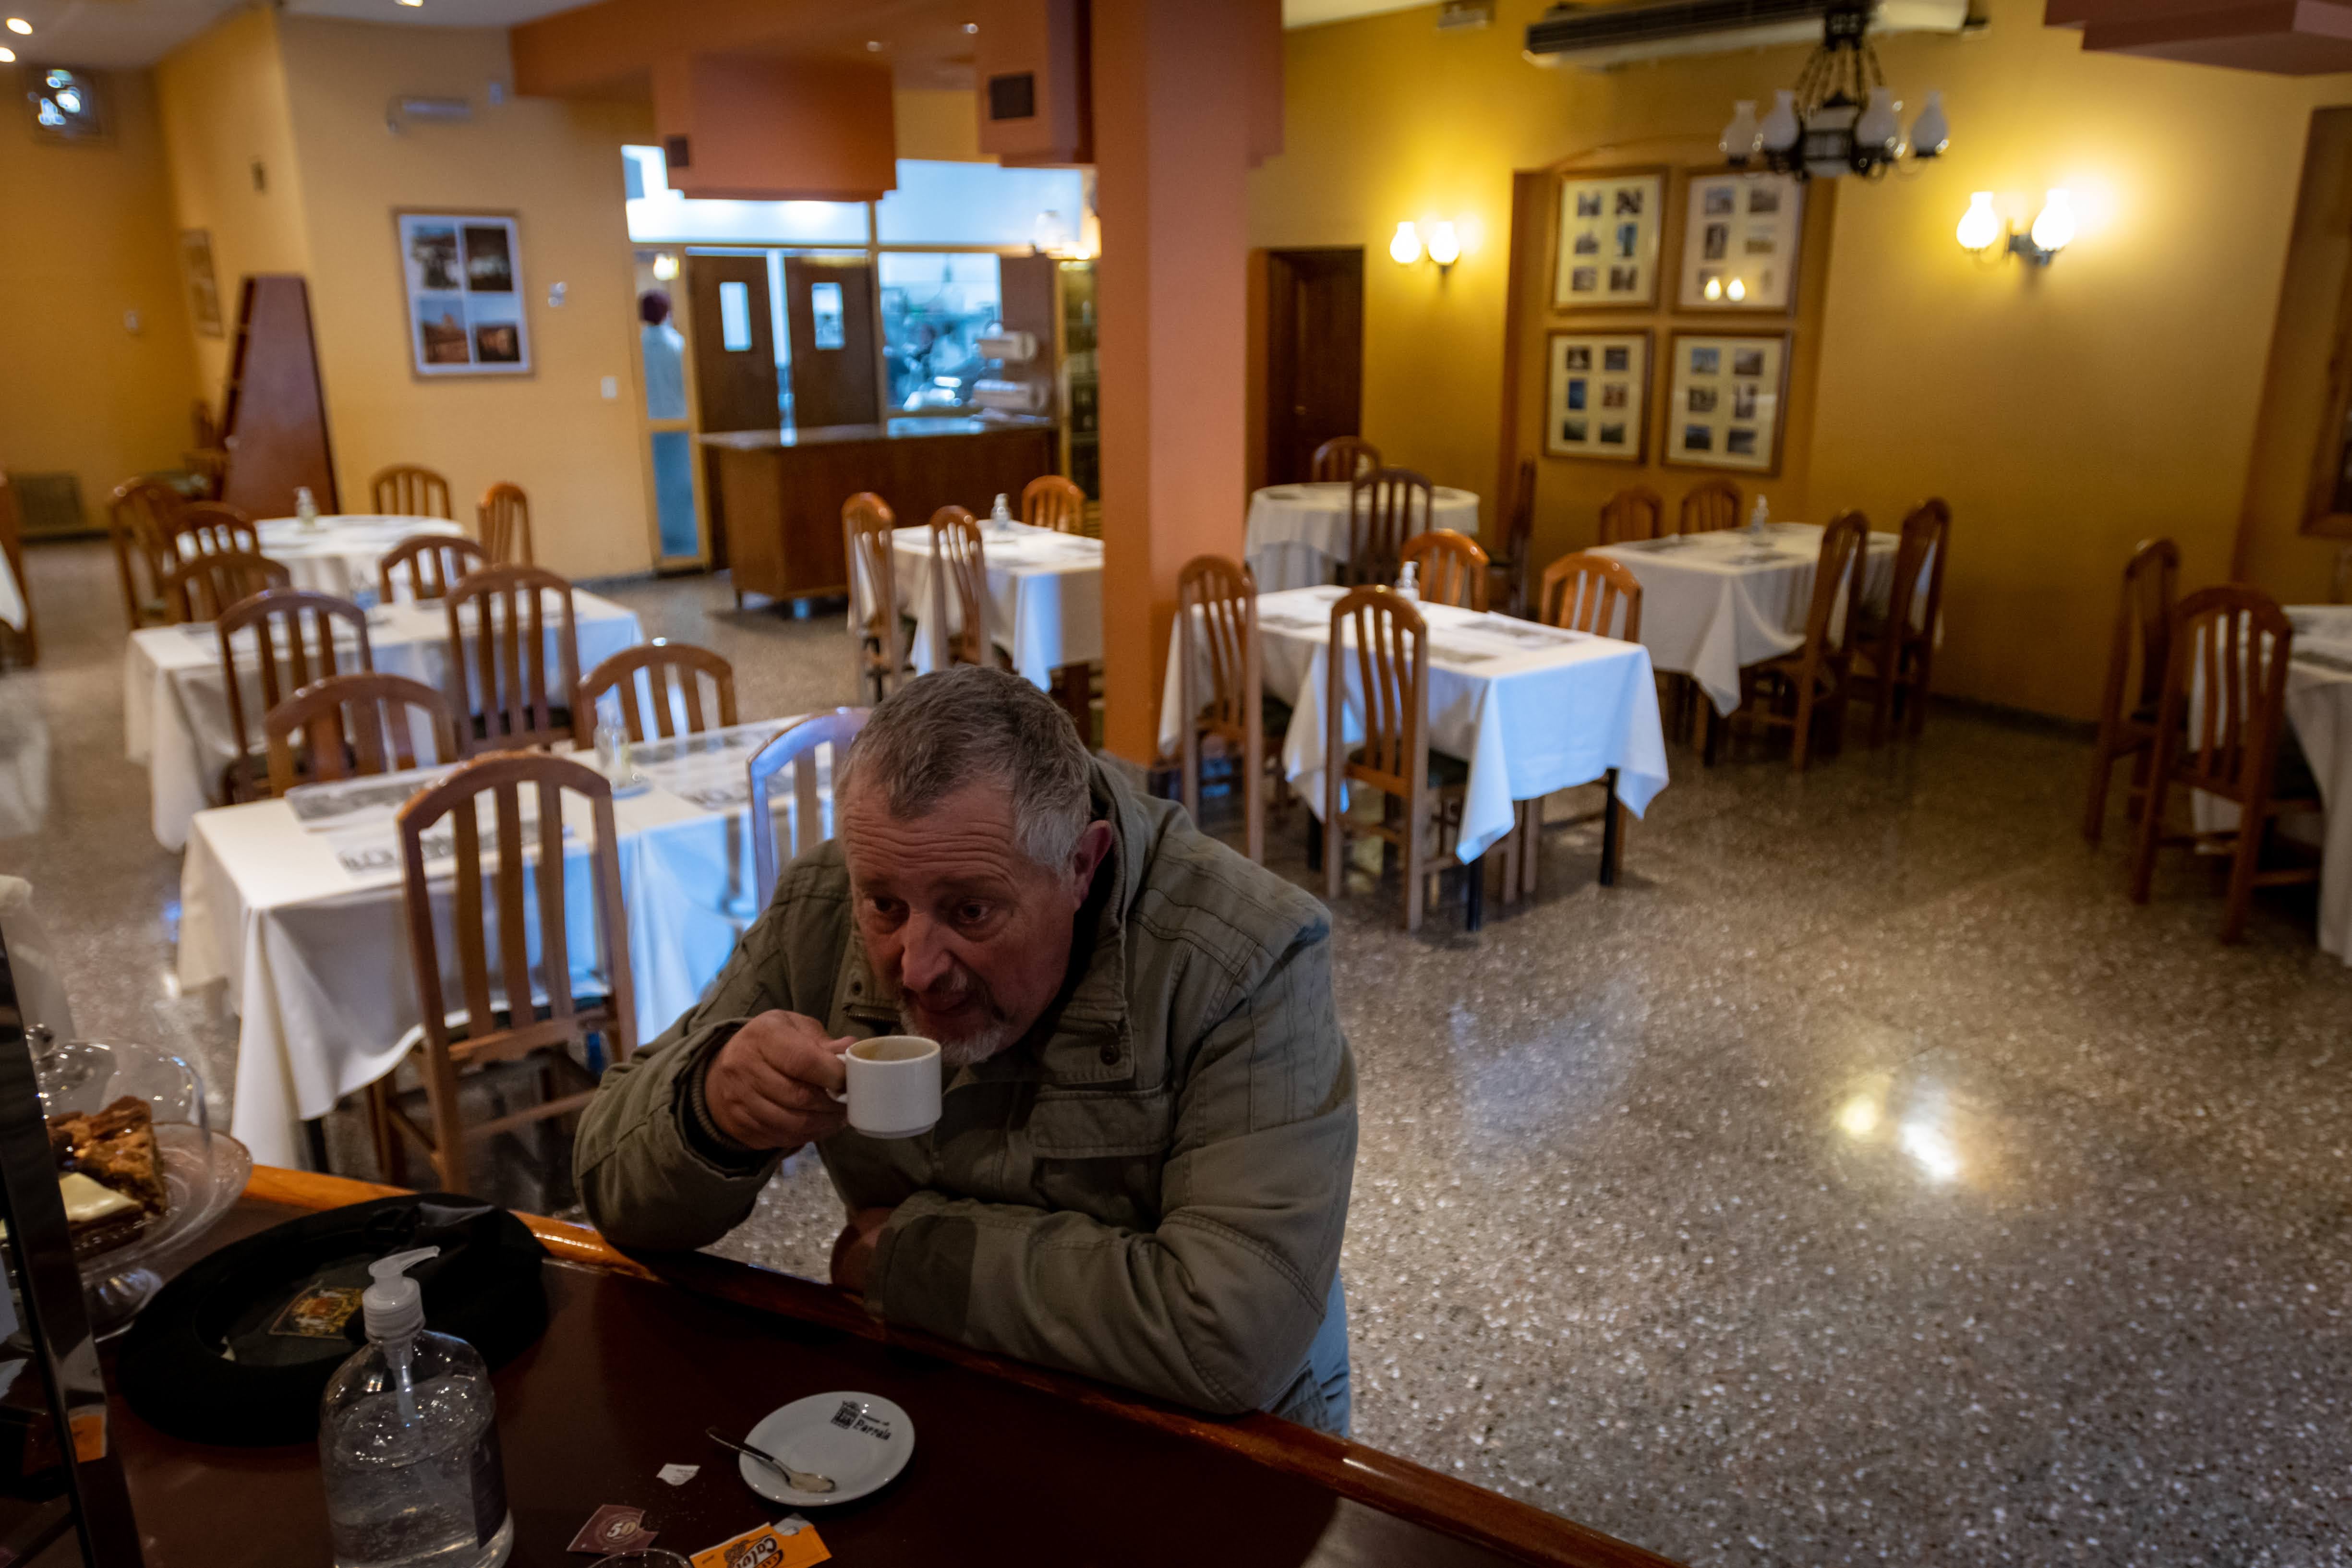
{"x":1141,"y":1167}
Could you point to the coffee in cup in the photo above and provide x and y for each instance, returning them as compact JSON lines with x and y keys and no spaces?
{"x":894,"y":1086}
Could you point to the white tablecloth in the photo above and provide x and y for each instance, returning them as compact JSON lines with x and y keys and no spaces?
{"x":1044,"y":593}
{"x":175,"y":702}
{"x":12,"y":595}
{"x":1298,"y":534}
{"x":339,"y":555}
{"x":1713,"y":603}
{"x":316,"y":956}
{"x":1531,"y":709}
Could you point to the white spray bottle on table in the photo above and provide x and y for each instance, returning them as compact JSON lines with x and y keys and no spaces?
{"x":408,"y":1440}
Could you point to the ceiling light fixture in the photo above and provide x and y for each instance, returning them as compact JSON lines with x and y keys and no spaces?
{"x":18,"y":24}
{"x":7,"y":57}
{"x":872,"y":45}
{"x":1841,"y":118}
{"x":411,"y":2}
{"x":971,"y":26}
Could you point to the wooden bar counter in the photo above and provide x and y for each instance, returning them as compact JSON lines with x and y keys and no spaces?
{"x":780,"y":491}
{"x":1012,"y":1464}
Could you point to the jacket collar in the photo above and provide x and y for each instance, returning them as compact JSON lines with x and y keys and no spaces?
{"x":1086,"y":1037}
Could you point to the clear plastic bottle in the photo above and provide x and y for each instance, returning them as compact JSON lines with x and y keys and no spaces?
{"x":306,"y":507}
{"x":1000,"y":516}
{"x":1408,"y":583}
{"x":408,"y":1441}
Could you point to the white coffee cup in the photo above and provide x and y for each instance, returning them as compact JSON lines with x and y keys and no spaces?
{"x":894,"y":1086}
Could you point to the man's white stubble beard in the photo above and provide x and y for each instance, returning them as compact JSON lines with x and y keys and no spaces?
{"x":968,"y":1051}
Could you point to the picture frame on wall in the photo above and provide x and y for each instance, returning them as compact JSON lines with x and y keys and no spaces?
{"x":203,"y":285}
{"x":1598,"y":398}
{"x":1611,"y":233}
{"x":462,"y":276}
{"x":1727,"y":401}
{"x":1741,"y":237}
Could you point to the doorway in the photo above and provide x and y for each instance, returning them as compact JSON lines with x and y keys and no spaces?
{"x":1314,"y":355}
{"x":829,"y":312}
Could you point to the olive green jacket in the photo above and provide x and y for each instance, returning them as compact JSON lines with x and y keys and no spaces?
{"x":1149,"y":1189}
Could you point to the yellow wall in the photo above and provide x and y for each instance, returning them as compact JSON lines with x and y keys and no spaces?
{"x":2066,"y":414}
{"x":92,"y":238}
{"x":938,"y":122}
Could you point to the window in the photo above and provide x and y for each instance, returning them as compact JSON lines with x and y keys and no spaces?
{"x":934,"y":308}
{"x":824,"y":314}
{"x":734,"y":317}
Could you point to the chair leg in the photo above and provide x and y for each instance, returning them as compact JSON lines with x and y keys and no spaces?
{"x":1710,"y":736}
{"x":1510,"y":846}
{"x":1531,"y":847}
{"x":2243,"y":866}
{"x":448,"y":1124}
{"x":1415,"y":867}
{"x":1333,"y":840}
{"x":1612,"y":829}
{"x":1473,"y":897}
{"x":381,"y":1130}
{"x":1314,"y":842}
{"x":1801,"y":743}
{"x":2151,"y":824}
{"x":1918,"y":689}
{"x":2095,"y":810}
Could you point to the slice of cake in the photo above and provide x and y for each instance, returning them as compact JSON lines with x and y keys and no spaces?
{"x":108,"y":1174}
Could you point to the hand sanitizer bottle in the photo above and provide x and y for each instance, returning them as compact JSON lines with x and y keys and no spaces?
{"x":1408,"y":584}
{"x":1760,"y":518}
{"x":306,"y":507}
{"x":1000,"y":516}
{"x":408,"y":1440}
{"x":612,"y":741}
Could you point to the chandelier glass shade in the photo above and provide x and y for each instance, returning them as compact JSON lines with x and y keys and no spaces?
{"x":1841,"y":118}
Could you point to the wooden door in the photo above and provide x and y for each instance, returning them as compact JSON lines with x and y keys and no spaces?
{"x":1314,"y":355}
{"x":734,"y":342}
{"x":274,"y":415}
{"x":836,"y":363}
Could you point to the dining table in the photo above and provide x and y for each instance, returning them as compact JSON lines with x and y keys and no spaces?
{"x":340,"y":553}
{"x":1713,"y":603}
{"x":1044,"y":591}
{"x":644,"y":1354}
{"x":175,"y":714}
{"x":1531,"y":708}
{"x":1297,"y":535}
{"x":294,"y":906}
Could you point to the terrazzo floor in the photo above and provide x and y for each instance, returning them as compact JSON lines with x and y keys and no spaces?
{"x":1864,"y":1178}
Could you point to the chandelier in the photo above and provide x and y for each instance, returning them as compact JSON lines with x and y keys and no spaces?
{"x":1841,"y":118}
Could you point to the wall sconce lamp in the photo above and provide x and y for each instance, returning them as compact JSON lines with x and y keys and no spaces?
{"x":1445,"y":246}
{"x":1982,"y":232}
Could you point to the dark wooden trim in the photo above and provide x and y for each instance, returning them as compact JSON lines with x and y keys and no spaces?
{"x":1348,"y":1470}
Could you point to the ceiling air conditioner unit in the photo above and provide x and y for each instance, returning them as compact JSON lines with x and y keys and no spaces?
{"x":1597,"y":37}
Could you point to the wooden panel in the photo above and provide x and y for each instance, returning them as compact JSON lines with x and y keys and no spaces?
{"x":839,"y":384}
{"x":736,"y":387}
{"x":1025,"y":290}
{"x":1034,"y":75}
{"x":275,"y":422}
{"x":1314,"y":355}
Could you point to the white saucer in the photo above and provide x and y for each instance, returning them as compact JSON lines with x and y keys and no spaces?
{"x":860,"y":1440}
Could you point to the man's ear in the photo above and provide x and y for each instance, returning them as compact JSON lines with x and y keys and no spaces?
{"x":1094,"y":843}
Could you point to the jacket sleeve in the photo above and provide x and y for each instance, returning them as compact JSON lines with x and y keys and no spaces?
{"x":648,"y":1178}
{"x":1215,"y":1309}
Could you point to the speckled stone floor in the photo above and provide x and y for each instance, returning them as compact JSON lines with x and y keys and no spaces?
{"x":1864,"y":1178}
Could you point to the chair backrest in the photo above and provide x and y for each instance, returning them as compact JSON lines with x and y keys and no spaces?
{"x":1217,"y":635}
{"x":432,"y":564}
{"x":2340,"y":581}
{"x":202,"y":587}
{"x":211,"y":528}
{"x":1592,"y":593}
{"x":1710,"y":506}
{"x":960,"y":572}
{"x":527,"y":872}
{"x":2143,"y":635}
{"x":1049,"y":500}
{"x":1342,"y":458}
{"x":498,"y":645}
{"x":2224,"y":701}
{"x":1388,"y":641}
{"x":136,"y":515}
{"x":867,"y":524}
{"x":502,"y":522}
{"x":1837,"y":571}
{"x":293,"y":642}
{"x":1637,"y":511}
{"x":1453,"y":569}
{"x":1385,"y":508}
{"x":353,"y":725}
{"x":671,"y":691}
{"x":406,"y":490}
{"x":798,"y":746}
{"x":1918,"y":593}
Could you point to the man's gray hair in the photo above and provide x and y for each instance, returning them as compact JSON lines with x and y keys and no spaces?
{"x":943,"y":730}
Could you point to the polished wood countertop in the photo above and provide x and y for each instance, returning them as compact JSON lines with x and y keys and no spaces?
{"x":912,"y":427}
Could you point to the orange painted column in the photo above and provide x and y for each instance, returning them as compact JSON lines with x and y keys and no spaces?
{"x":1186,"y":97}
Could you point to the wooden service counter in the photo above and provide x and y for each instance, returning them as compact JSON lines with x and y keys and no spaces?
{"x":780,"y":491}
{"x":1012,"y":1464}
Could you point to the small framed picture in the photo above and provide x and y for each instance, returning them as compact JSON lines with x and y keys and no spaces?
{"x":1740,"y":243}
{"x":1726,"y":401}
{"x":1600,"y":396}
{"x":462,"y":274}
{"x":1612,"y":231}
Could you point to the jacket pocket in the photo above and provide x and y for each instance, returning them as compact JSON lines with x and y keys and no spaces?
{"x":1096,"y":1126}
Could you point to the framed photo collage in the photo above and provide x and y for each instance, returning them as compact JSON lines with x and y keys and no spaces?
{"x":1734,"y":252}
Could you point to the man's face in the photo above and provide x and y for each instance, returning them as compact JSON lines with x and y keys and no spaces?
{"x":974,"y":933}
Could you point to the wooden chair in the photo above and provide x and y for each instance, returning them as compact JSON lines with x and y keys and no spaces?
{"x":674,"y":673}
{"x":519,"y":1004}
{"x":1049,"y":500}
{"x":1710,"y":506}
{"x":23,"y":645}
{"x":210,"y":528}
{"x":1812,"y":678}
{"x":2128,"y":709}
{"x":798,"y":745}
{"x":405,"y":489}
{"x":1342,"y":459}
{"x":959,"y":576}
{"x":201,"y":587}
{"x":879,"y":645}
{"x":433,"y":563}
{"x":1593,"y":594}
{"x":502,"y":522}
{"x":1895,"y":652}
{"x":1507,"y":577}
{"x":292,"y":639}
{"x":1382,"y":516}
{"x":1422,"y":790}
{"x":1451,"y":569}
{"x":136,"y":516}
{"x":350,"y":726}
{"x":1637,"y":511}
{"x":2221,"y":725}
{"x":207,"y":456}
{"x":2339,"y":581}
{"x":1217,"y":634}
{"x":501,"y":682}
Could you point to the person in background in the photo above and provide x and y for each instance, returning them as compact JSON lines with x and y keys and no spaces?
{"x":664,"y":357}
